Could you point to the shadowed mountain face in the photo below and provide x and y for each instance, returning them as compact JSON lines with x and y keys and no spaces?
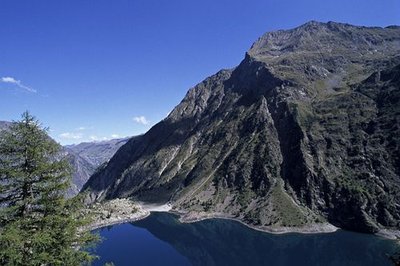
{"x":81,"y":170}
{"x":86,"y":157}
{"x":305,"y":129}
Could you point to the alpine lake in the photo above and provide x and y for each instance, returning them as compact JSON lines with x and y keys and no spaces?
{"x":160,"y":239}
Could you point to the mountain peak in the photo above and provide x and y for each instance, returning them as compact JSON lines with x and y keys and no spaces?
{"x":315,"y":36}
{"x":329,"y":52}
{"x":291,"y":136}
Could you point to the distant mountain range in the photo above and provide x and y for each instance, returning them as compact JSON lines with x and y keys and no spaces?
{"x":98,"y":152}
{"x":306,"y":129}
{"x":84,"y":158}
{"x":4,"y":125}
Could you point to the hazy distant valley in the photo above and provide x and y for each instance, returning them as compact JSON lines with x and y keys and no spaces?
{"x":84,"y":157}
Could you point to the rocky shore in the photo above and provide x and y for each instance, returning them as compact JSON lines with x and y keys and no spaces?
{"x":119,"y":211}
{"x":390,"y":234}
{"x":190,"y":217}
{"x":116,"y":211}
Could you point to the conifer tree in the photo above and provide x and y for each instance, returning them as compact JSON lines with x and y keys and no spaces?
{"x":38,"y":225}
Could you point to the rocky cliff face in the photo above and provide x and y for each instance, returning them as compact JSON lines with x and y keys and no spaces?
{"x":304,"y":130}
{"x":86,"y":157}
{"x":82,"y":169}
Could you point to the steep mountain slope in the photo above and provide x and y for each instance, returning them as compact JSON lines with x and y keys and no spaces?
{"x":86,"y":157}
{"x":305,"y":129}
{"x":82,"y":169}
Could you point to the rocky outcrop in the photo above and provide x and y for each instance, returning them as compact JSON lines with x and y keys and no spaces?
{"x":81,"y":170}
{"x":304,"y":130}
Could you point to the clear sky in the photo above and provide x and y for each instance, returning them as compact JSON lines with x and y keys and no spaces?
{"x":100,"y":69}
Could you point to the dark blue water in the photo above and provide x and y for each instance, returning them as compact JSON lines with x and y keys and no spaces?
{"x":161,"y":239}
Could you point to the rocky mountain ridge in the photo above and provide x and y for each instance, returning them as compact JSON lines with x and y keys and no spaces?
{"x":98,"y":152}
{"x":305,"y":130}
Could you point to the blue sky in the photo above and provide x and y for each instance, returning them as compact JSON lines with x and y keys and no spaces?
{"x":93,"y":70}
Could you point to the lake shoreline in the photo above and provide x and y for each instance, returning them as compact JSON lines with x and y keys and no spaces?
{"x":319,"y":228}
{"x":307,"y":229}
{"x":143,"y":210}
{"x":133,"y":218}
{"x":115,"y":212}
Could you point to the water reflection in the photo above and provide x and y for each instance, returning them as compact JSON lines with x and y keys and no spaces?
{"x":224,"y":242}
{"x":161,"y":239}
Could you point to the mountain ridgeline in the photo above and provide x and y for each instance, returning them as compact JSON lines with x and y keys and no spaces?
{"x":86,"y":157}
{"x":97,"y":152}
{"x":304,"y":130}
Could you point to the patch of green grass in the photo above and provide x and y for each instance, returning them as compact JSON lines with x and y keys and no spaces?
{"x":288,"y":211}
{"x":304,"y":114}
{"x":245,"y":197}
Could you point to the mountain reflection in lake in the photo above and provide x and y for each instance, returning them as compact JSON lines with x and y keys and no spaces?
{"x":161,"y":239}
